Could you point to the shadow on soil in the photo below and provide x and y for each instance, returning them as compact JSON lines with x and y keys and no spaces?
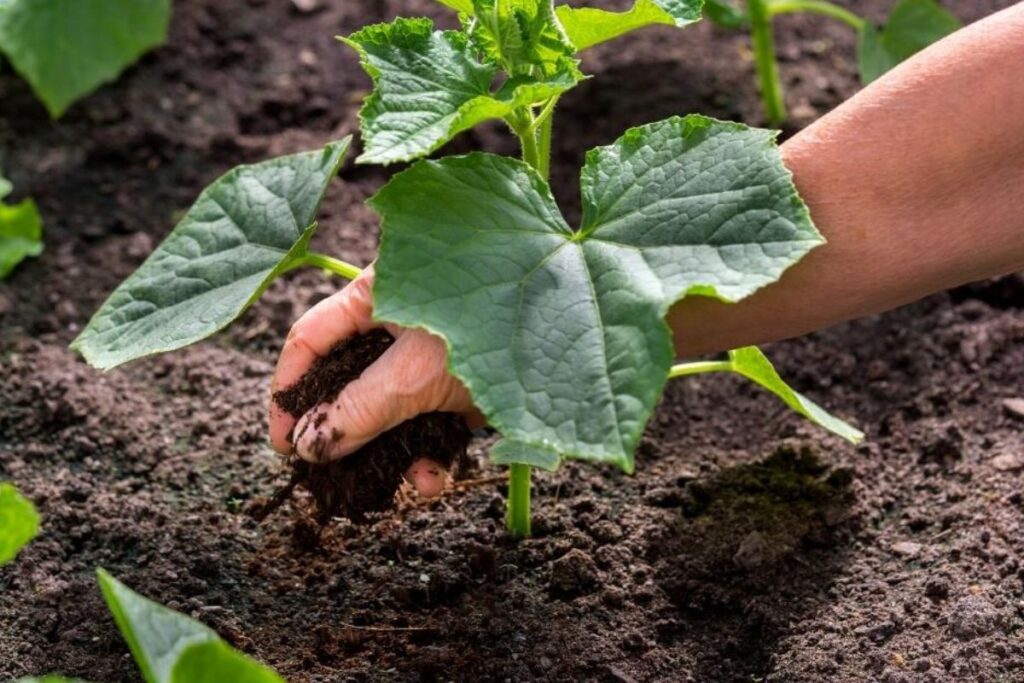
{"x":754,"y":548}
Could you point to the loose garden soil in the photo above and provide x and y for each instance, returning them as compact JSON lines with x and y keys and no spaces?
{"x":748,"y":546}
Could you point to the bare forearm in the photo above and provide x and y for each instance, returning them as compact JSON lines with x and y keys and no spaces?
{"x":917,"y":183}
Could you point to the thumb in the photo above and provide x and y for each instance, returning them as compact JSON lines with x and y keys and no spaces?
{"x":408,"y":379}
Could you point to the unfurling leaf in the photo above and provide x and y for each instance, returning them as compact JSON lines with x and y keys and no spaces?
{"x":912,"y":26}
{"x":245,"y":229}
{"x":19,"y":522}
{"x":67,"y":48}
{"x":429,"y":86}
{"x":752,"y":364}
{"x":587,"y":26}
{"x":523,"y":37}
{"x":21,"y":231}
{"x":560,"y":335}
{"x":172,"y":648}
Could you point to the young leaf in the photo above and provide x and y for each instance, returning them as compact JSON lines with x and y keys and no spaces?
{"x":245,"y":229}
{"x":429,"y":87}
{"x":559,"y":335}
{"x":725,"y":13}
{"x":752,"y":364}
{"x":19,"y":522}
{"x":155,"y":634}
{"x":67,"y":48}
{"x":523,"y":36}
{"x":912,"y":26}
{"x":21,"y":231}
{"x":587,"y":26}
{"x":214,"y":661}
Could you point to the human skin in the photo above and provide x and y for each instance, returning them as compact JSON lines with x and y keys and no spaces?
{"x":917,"y":183}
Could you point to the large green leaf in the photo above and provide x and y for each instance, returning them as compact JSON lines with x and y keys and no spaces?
{"x":67,"y":48}
{"x":19,"y":522}
{"x":559,"y":335}
{"x":21,"y":231}
{"x":245,"y":229}
{"x":215,"y":661}
{"x":587,"y":26}
{"x":752,"y":364}
{"x":912,"y":26}
{"x":429,"y":86}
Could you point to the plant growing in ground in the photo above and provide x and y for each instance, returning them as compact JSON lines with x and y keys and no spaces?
{"x":558,"y":333}
{"x":169,"y":647}
{"x":65,"y":49}
{"x":912,"y":26}
{"x":19,"y":522}
{"x":21,"y":230}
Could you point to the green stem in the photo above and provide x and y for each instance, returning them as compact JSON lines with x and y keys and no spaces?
{"x":534,"y":133}
{"x":767,"y":64}
{"x":684,"y":369}
{"x":518,"y":520}
{"x":336,"y":266}
{"x":776,"y":7}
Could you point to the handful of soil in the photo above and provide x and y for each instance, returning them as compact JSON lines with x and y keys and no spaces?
{"x":367,"y":480}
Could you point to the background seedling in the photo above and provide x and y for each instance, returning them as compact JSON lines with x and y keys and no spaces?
{"x":65,"y":49}
{"x":911,"y":26}
{"x":558,"y":333}
{"x":21,"y":230}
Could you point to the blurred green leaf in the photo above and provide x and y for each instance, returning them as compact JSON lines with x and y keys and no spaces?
{"x":19,"y":522}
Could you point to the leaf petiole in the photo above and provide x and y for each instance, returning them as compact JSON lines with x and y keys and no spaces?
{"x":328,"y":263}
{"x":699,"y":367}
{"x":765,"y":60}
{"x":823,"y":7}
{"x":518,"y":520}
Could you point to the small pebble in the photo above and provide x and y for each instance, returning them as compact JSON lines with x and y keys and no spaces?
{"x":907,"y":549}
{"x":1014,"y":407}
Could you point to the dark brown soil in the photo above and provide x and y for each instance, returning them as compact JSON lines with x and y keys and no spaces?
{"x":366,"y":481}
{"x":748,"y":546}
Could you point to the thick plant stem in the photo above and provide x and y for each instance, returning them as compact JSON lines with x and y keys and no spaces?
{"x":823,"y":7}
{"x":336,"y":266}
{"x":518,"y":519}
{"x":766,"y":62}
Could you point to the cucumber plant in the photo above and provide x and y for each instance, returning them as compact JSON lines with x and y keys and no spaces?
{"x":912,"y":25}
{"x":65,"y":49}
{"x":21,"y":230}
{"x":169,"y":647}
{"x":558,"y":333}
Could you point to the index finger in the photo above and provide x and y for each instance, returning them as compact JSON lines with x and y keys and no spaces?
{"x":339,"y":316}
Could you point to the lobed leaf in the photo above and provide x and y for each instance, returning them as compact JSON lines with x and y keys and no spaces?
{"x":752,"y":364}
{"x":244,"y":230}
{"x":588,"y":26}
{"x":67,"y":48}
{"x":559,"y":335}
{"x":21,"y":231}
{"x":510,"y":452}
{"x":19,"y":522}
{"x":912,"y":26}
{"x":429,"y":87}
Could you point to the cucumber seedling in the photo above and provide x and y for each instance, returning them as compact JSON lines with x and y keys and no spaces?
{"x":911,"y":26}
{"x":558,"y":332}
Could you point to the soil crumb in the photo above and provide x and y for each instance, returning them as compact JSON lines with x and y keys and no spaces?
{"x":367,"y":480}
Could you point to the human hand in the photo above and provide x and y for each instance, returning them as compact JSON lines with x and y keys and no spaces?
{"x":410,"y":378}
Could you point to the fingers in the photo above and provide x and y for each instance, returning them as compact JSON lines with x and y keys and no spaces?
{"x":427,"y":477}
{"x":408,"y":379}
{"x":348,"y":312}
